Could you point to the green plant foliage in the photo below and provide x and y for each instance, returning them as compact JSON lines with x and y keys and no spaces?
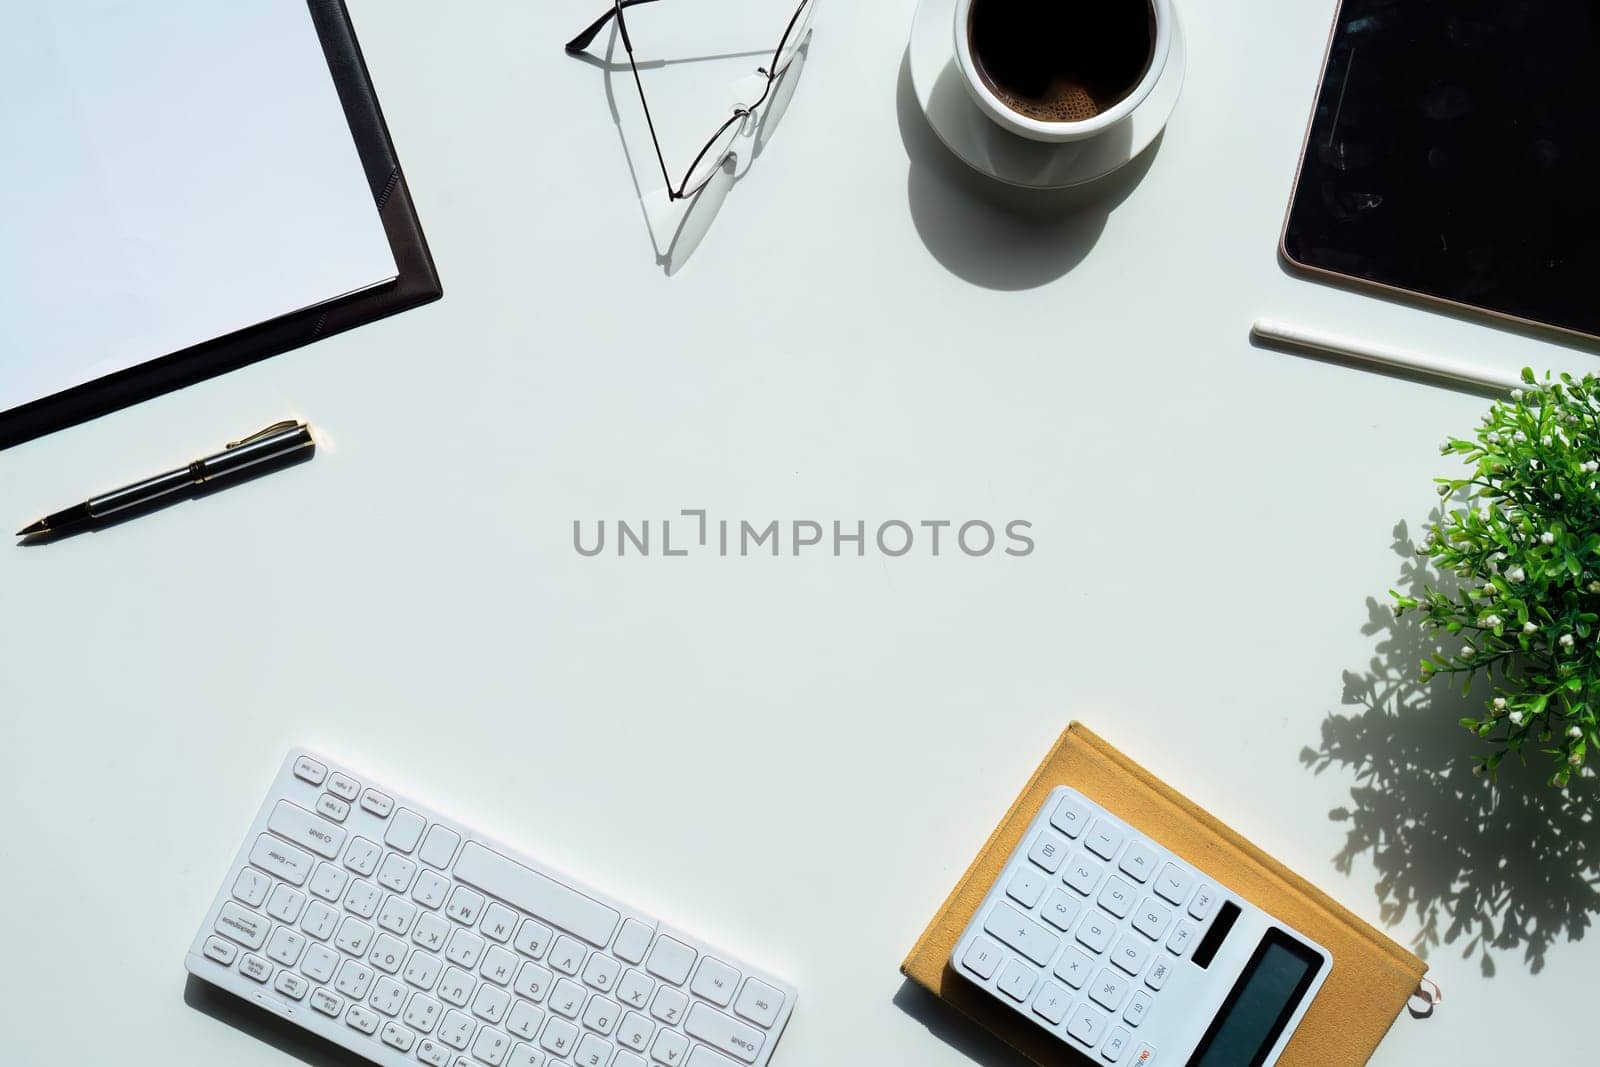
{"x":1521,"y":536}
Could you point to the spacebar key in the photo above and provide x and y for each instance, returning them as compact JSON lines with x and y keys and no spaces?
{"x":541,"y":897}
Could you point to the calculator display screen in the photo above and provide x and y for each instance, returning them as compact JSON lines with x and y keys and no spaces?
{"x":1261,"y":1004}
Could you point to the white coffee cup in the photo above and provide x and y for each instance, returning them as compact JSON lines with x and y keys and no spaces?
{"x":1059,"y":132}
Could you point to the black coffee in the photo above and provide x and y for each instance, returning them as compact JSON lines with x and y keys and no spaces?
{"x":1062,"y":60}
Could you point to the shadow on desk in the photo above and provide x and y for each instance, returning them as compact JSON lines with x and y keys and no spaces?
{"x":996,"y":235}
{"x":264,"y":1026}
{"x":1506,"y":867}
{"x":955,"y":1029}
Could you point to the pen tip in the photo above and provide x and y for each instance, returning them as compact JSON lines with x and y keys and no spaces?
{"x":39,"y":527}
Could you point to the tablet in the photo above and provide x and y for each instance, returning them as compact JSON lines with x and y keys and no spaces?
{"x":1454,"y":156}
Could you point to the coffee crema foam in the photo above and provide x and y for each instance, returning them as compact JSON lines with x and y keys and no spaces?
{"x":1062,"y":60}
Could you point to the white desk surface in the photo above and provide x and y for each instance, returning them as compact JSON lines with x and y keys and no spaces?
{"x":861,"y":335}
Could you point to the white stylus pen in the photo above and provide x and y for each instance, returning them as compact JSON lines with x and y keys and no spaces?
{"x":1362,"y":352}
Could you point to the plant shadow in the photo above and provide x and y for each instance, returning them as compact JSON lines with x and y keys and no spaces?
{"x":1511,"y":866}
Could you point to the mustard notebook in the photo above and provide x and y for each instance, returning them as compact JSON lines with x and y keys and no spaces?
{"x":1372,"y":977}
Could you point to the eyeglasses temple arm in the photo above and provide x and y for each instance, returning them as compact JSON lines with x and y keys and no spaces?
{"x":586,"y":38}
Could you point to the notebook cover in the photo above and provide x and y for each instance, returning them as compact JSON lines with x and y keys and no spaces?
{"x":417,"y":283}
{"x":1372,"y":977}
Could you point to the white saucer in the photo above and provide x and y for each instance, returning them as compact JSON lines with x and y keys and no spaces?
{"x":974,"y":137}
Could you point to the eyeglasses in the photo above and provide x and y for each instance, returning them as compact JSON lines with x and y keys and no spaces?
{"x":720,"y":146}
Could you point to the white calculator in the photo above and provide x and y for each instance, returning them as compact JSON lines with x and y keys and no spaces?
{"x":1130,"y":956}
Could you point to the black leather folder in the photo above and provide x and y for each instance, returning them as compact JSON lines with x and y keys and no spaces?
{"x":417,"y":282}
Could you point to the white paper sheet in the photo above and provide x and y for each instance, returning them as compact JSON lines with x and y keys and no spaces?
{"x":169,"y":172}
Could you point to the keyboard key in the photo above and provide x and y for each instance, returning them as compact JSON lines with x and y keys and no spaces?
{"x":1082,"y":874}
{"x":354,"y":980}
{"x":285,"y":904}
{"x":431,"y":932}
{"x":1095,"y":932}
{"x":704,"y":1057}
{"x":456,"y":1029}
{"x":1117,"y":897}
{"x":1024,"y":935}
{"x":491,"y":1047}
{"x":633,"y":941}
{"x":329,"y":882}
{"x":297,"y":825}
{"x":388,"y":996}
{"x":255,"y":967}
{"x":388,"y":953}
{"x":251,"y":887}
{"x":397,"y":915}
{"x":1159,"y":973}
{"x":396,"y":872}
{"x":1104,"y":839}
{"x":1051,"y":1004}
{"x":670,"y":1048}
{"x":982,"y":958}
{"x":593,"y":1051}
{"x":362,"y":898}
{"x":464,"y":905}
{"x":1016,"y":980}
{"x":436,"y":1055}
{"x":1048,"y":852}
{"x":669,"y":1006}
{"x":219,"y":950}
{"x":491,"y":1003}
{"x":1074,"y":968}
{"x":378,"y":803}
{"x":714,"y":981}
{"x":331,"y":807}
{"x":309,"y":770}
{"x":1138,"y":861}
{"x":567,"y":998}
{"x":362,"y":857}
{"x":601,"y":973}
{"x":671,"y":961}
{"x":343,"y":786}
{"x":245,"y":927}
{"x":354,"y":936}
{"x":432,"y":889}
{"x":601,"y":1015}
{"x":525,"y":1020}
{"x":319,"y":921}
{"x":760,"y":1003}
{"x":625,"y":1059}
{"x":319,"y":963}
{"x":439,"y":847}
{"x":284,"y":862}
{"x":464,"y":949}
{"x":1069,"y":817}
{"x":1200,"y":907}
{"x":360,"y":1018}
{"x":456,"y":986}
{"x":1108,"y":989}
{"x":725,"y":1033}
{"x":499,"y":923}
{"x":396,"y":1036}
{"x":500,"y":965}
{"x":1182,"y":936}
{"x":285,"y":946}
{"x":533,"y":938}
{"x":1130,"y":955}
{"x":1174,"y":883}
{"x":327,"y":1003}
{"x":635,"y":1031}
{"x":405,"y":831}
{"x":1088,"y":1025}
{"x":558,"y":1036}
{"x":422,"y":970}
{"x":1116,"y":1045}
{"x":635,"y":989}
{"x":543,"y":898}
{"x":1138,"y":1009}
{"x":567,"y":956}
{"x":292,"y":986}
{"x":1026,"y":887}
{"x":533,"y":982}
{"x":1060,"y":910}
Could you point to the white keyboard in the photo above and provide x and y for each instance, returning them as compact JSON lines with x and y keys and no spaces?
{"x":1099,"y":935}
{"x":408,"y":938}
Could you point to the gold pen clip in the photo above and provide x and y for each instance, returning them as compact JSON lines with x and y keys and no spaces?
{"x":276,"y":427}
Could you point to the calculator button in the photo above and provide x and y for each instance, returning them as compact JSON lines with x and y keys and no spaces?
{"x":982,"y":958}
{"x":1060,"y":910}
{"x":1095,"y":932}
{"x":1117,"y":897}
{"x":1203,"y":901}
{"x":343,"y":786}
{"x":1116,"y":1045}
{"x":1074,"y":968}
{"x":1138,"y":862}
{"x":1048,"y":851}
{"x":1023,"y":934}
{"x":331,"y":807}
{"x":1158,"y":975}
{"x":1138,"y":1009}
{"x":1130,"y":955}
{"x":379,"y":804}
{"x":1108,"y":989}
{"x":1069,"y":817}
{"x":1103,"y":839}
{"x":1016,"y":981}
{"x":1182,"y":934}
{"x":1151,"y":919}
{"x":405,"y":831}
{"x":1174,"y":883}
{"x":1087,"y":1025}
{"x":1082,"y":874}
{"x":1051,"y":1004}
{"x":1026,"y":888}
{"x":309,"y":770}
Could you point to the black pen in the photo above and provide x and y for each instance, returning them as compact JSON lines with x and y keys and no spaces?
{"x":283,"y":441}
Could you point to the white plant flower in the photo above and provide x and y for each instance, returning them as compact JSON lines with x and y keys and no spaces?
{"x":1516,"y":718}
{"x":1516,"y":394}
{"x":1547,"y":538}
{"x":1576,"y":759}
{"x":1500,"y":705}
{"x":1490,"y":622}
{"x":1575,"y":732}
{"x":1566,"y":640}
{"x":1516,"y":574}
{"x":1530,"y":627}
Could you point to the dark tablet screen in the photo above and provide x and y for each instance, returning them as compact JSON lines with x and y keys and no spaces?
{"x":1455,"y":153}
